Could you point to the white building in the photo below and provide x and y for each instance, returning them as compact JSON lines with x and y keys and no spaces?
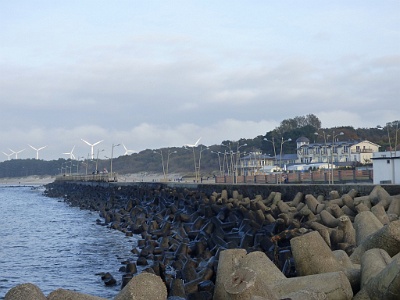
{"x":335,"y":151}
{"x":386,"y":167}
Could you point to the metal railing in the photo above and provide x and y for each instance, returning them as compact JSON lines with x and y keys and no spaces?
{"x":312,"y":177}
{"x":102,"y":177}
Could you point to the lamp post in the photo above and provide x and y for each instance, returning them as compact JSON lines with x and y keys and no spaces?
{"x":326,"y":153}
{"x":201,"y":150}
{"x":280,"y":155}
{"x":226,"y":158}
{"x":111,"y":160}
{"x":87,"y":163}
{"x":162,"y":161}
{"x":237,"y":160}
{"x":273,"y":145}
{"x":333,"y":149}
{"x":77,"y":164}
{"x":70,"y":168}
{"x":169,"y":154}
{"x":219,"y":162}
{"x":97,"y":159}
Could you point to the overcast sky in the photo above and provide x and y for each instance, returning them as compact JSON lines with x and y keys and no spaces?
{"x":153,"y":74}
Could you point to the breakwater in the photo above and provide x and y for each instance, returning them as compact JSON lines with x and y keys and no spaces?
{"x":283,"y":241}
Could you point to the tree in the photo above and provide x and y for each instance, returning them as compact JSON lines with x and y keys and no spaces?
{"x":298,"y":122}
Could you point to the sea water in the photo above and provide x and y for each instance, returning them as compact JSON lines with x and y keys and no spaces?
{"x":52,"y":245}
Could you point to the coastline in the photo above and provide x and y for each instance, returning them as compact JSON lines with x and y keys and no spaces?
{"x":28,"y":180}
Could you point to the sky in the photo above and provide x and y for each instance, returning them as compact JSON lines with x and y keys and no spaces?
{"x":156,"y":74}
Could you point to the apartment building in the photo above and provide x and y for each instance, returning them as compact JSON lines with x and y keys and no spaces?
{"x":328,"y":153}
{"x":336,"y":152}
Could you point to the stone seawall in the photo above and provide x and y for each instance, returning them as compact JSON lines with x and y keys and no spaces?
{"x":252,"y":241}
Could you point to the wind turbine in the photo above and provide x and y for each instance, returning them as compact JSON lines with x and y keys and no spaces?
{"x":71,"y":154}
{"x":8,"y":155}
{"x":92,"y":145}
{"x":193,"y":145}
{"x":16,"y":152}
{"x":37,"y":150}
{"x":127,"y":152}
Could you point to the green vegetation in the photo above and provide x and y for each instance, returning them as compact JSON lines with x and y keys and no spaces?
{"x":182,"y":161}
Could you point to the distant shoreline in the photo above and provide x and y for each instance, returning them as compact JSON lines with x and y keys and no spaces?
{"x":28,"y":180}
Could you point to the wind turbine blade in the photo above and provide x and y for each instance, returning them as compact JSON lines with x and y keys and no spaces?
{"x":197,"y":142}
{"x":86,"y":142}
{"x":97,"y":143}
{"x":33,"y":147}
{"x":42,"y":148}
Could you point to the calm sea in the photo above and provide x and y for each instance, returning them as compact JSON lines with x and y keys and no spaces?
{"x":48,"y":243}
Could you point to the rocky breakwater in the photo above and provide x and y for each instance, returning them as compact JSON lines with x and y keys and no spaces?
{"x":234,"y":246}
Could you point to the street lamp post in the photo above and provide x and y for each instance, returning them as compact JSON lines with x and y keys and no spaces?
{"x":162,"y":161}
{"x":273,"y":145}
{"x":280,"y":155}
{"x":219,"y":162}
{"x":326,"y":153}
{"x":111,"y":160}
{"x":97,"y":159}
{"x":333,"y":149}
{"x":237,"y":161}
{"x":201,"y":150}
{"x":87,"y":163}
{"x":70,"y":168}
{"x":169,"y":153}
{"x":226,"y":159}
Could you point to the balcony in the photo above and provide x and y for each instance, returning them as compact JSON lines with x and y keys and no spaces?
{"x":362,"y":151}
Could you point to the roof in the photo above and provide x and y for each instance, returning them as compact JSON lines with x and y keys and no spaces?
{"x":302,"y":139}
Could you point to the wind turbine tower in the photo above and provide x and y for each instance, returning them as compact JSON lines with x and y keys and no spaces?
{"x":92,"y":145}
{"x":16,"y":152}
{"x":37,"y":150}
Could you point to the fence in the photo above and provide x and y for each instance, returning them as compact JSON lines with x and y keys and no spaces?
{"x":103,"y":177}
{"x":314,"y":177}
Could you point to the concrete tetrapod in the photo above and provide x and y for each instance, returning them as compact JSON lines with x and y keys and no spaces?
{"x":334,"y":285}
{"x":380,"y":281}
{"x":144,"y":286}
{"x":62,"y":294}
{"x":256,"y":275}
{"x":387,"y":238}
{"x":365,"y":224}
{"x":25,"y":291}
{"x":312,"y":255}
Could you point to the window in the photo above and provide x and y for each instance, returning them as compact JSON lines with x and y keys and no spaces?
{"x":388,"y":161}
